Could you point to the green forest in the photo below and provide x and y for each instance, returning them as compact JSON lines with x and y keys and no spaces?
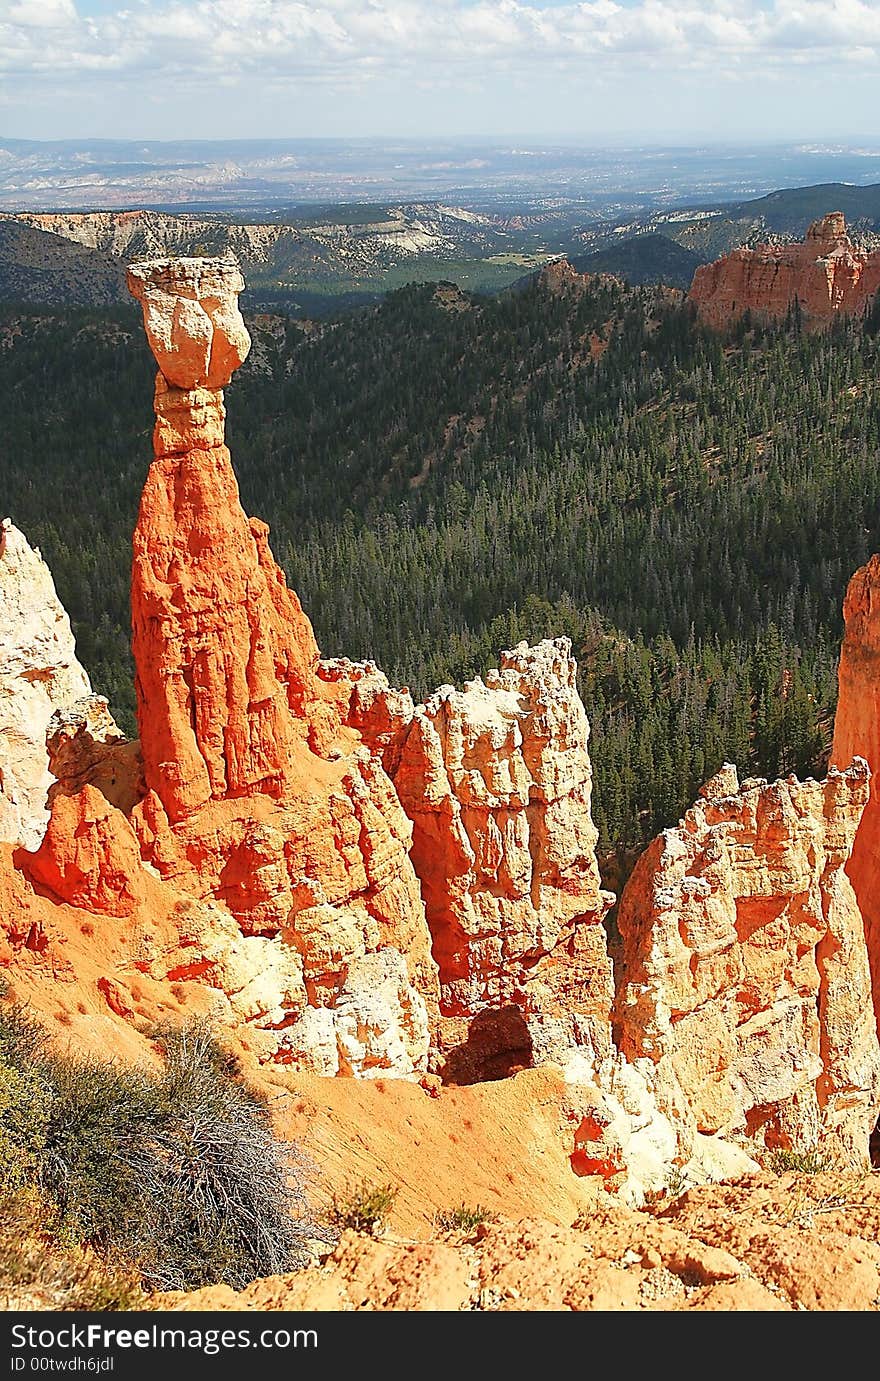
{"x":446,"y":474}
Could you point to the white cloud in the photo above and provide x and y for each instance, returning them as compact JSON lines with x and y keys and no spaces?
{"x":337,"y":40}
{"x":38,"y":14}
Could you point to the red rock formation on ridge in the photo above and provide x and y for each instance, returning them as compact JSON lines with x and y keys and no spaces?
{"x":744,"y":974}
{"x":857,"y":731}
{"x":825,"y":274}
{"x":560,"y":278}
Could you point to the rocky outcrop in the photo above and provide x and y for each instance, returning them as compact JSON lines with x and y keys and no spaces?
{"x":258,"y":795}
{"x":308,"y":810}
{"x":744,"y":976}
{"x":857,"y":732}
{"x":379,"y":712}
{"x":496,"y":779}
{"x":766,"y":1243}
{"x":293,"y":797}
{"x":354,"y":885}
{"x":89,"y":856}
{"x":497,"y":782}
{"x":87,"y":748}
{"x":825,"y":275}
{"x":561,"y":279}
{"x":39,"y":673}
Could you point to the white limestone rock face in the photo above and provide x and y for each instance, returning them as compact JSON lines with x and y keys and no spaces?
{"x":743,"y":985}
{"x":39,"y":674}
{"x":378,"y":1025}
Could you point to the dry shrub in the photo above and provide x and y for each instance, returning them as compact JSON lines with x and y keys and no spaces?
{"x":176,"y":1174}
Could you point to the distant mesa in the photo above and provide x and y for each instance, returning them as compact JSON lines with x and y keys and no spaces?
{"x":42,"y":269}
{"x":826,"y":275}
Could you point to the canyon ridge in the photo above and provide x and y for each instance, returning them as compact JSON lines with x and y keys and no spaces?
{"x":392,"y":913}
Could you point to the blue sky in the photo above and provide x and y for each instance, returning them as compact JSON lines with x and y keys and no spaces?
{"x":652,"y":70}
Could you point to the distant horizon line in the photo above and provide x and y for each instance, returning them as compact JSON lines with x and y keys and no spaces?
{"x":823,"y":142}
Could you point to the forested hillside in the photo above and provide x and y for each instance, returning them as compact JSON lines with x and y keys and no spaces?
{"x":45,"y":269}
{"x":445,"y":475}
{"x":643,"y":259}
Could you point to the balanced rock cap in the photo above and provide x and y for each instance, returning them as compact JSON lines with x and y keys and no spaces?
{"x":191,"y":317}
{"x":828,"y":229}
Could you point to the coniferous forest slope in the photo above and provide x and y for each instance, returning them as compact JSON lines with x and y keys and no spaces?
{"x":445,"y":475}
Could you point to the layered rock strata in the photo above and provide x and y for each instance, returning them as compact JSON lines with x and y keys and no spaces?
{"x":497,"y":781}
{"x":745,"y":977}
{"x":826,"y":275}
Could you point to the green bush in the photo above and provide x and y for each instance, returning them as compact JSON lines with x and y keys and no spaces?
{"x":787,"y":1162}
{"x":464,"y":1218}
{"x":25,"y":1099}
{"x":176,"y":1173}
{"x":363,"y":1208}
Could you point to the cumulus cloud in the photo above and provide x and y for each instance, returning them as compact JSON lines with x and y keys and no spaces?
{"x":332,"y":40}
{"x":39,"y":14}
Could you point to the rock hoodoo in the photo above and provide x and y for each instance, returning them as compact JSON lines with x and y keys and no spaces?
{"x":745,"y":977}
{"x":857,"y":731}
{"x":258,"y":795}
{"x":825,"y":274}
{"x":497,"y":781}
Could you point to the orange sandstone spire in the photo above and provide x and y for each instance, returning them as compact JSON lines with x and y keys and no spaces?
{"x":857,"y":731}
{"x":225,"y":655}
{"x":258,"y":795}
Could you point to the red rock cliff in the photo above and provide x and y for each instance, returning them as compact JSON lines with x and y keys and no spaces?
{"x":825,"y":274}
{"x":857,"y":731}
